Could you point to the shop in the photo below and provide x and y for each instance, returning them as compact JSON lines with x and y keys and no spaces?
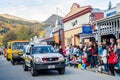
{"x":73,"y":22}
{"x":59,"y":37}
{"x":109,"y":27}
{"x":87,"y":34}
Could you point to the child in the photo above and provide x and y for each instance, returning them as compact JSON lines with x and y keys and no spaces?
{"x":73,"y":61}
{"x":83,"y":65}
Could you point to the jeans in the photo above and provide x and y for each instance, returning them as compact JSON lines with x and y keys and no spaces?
{"x":95,"y":60}
{"x":105,"y":67}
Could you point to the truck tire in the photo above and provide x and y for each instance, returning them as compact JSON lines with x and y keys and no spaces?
{"x":13,"y":62}
{"x":33,"y":71}
{"x":25,"y":67}
{"x":7,"y":59}
{"x":61,"y":70}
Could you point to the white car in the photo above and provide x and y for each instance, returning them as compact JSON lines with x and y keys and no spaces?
{"x":42,"y":57}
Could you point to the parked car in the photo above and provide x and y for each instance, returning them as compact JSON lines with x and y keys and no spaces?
{"x":42,"y":57}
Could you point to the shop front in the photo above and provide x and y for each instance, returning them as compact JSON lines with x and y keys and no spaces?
{"x":72,"y":36}
{"x":73,"y":23}
{"x":108,"y":28}
{"x":58,"y":37}
{"x":87,"y":34}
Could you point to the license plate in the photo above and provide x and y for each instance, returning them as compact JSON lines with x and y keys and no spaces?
{"x":51,"y":66}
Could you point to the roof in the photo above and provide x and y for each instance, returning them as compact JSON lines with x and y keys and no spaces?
{"x":38,"y":45}
{"x":76,"y":9}
{"x":108,"y":18}
{"x":20,"y":41}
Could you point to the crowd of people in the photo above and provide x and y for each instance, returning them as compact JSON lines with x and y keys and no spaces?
{"x":93,"y":55}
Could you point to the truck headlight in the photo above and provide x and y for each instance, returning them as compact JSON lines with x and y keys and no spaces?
{"x":15,"y":54}
{"x":37,"y":60}
{"x":61,"y":58}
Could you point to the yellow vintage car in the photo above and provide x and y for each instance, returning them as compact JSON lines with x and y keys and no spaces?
{"x":15,"y":50}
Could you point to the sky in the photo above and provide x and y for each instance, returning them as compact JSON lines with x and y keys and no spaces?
{"x":40,"y":10}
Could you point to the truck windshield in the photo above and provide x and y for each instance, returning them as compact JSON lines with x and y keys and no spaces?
{"x":43,"y":49}
{"x":19,"y":45}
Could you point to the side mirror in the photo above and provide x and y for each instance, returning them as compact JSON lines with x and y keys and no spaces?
{"x":28,"y":53}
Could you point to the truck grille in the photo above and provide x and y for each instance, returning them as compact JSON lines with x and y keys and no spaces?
{"x":50,"y":59}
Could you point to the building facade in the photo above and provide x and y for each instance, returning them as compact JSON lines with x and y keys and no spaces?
{"x":109,"y":27}
{"x":74,"y":21}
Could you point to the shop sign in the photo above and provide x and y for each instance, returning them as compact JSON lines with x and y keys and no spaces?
{"x":86,"y":29}
{"x":111,"y":13}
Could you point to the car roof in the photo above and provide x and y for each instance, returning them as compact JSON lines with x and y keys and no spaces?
{"x":41,"y":45}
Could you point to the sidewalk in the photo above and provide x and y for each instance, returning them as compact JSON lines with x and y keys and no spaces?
{"x":96,"y":70}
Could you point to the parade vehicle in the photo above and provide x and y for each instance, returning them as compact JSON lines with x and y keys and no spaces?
{"x":15,"y":50}
{"x":39,"y":57}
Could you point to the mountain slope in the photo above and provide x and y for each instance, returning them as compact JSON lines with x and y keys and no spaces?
{"x":16,"y":18}
{"x":12,"y":23}
{"x":52,"y":19}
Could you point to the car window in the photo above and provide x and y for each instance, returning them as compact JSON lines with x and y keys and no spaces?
{"x":43,"y":49}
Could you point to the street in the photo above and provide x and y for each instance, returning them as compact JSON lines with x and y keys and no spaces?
{"x":8,"y":71}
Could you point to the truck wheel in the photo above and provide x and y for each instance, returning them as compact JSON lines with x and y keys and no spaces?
{"x":25,"y":67}
{"x":33,"y":71}
{"x":8,"y":59}
{"x":61,"y":71}
{"x":13,"y":62}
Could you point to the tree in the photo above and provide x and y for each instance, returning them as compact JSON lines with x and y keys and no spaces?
{"x":11,"y":35}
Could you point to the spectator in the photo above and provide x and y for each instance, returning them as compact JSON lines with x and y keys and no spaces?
{"x":68,"y":52}
{"x":118,"y":49}
{"x":64,"y":51}
{"x":112,"y":44}
{"x":95,"y":55}
{"x":60,"y":50}
{"x":89,"y":54}
{"x":111,"y":63}
{"x":100,"y":49}
{"x":104,"y":58}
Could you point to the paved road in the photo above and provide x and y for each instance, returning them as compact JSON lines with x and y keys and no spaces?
{"x":10,"y":72}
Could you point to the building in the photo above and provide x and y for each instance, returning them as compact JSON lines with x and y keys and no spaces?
{"x":74,"y":22}
{"x":109,"y":27}
{"x":58,"y":33}
{"x":48,"y":31}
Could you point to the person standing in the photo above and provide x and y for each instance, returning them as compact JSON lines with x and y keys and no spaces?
{"x":68,"y":52}
{"x":64,"y":51}
{"x":113,"y":44}
{"x":100,"y":49}
{"x":95,"y":55}
{"x":60,"y":50}
{"x":111,"y":62}
{"x":89,"y":54}
{"x":104,"y":58}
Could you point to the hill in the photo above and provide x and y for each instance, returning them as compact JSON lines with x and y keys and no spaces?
{"x":16,"y":18}
{"x":52,"y":19}
{"x":8,"y":22}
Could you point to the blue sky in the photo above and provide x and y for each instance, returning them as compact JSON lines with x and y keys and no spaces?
{"x":41,"y":9}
